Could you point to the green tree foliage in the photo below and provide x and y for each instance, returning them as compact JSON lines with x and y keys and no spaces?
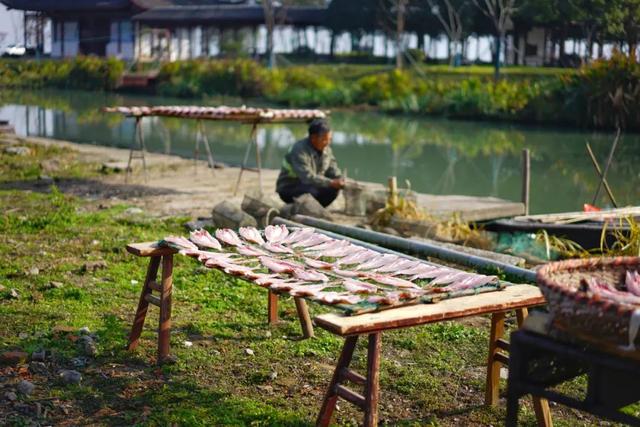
{"x":622,"y":20}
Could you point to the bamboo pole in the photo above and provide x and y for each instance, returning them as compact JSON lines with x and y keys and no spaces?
{"x":599,"y":171}
{"x":526,"y":178}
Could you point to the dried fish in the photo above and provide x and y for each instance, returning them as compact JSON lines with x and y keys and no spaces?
{"x":251,"y":234}
{"x":228,"y":236}
{"x":314,"y":263}
{"x":391,"y":281}
{"x":337,"y":298}
{"x":277,"y":248}
{"x":276,"y":233}
{"x":307,"y":290}
{"x":632,"y":281}
{"x":203,"y":239}
{"x":377,"y":262}
{"x":298,"y":235}
{"x":250,"y":251}
{"x":359,"y":287}
{"x":309,"y":276}
{"x":177,"y":242}
{"x":278,"y":266}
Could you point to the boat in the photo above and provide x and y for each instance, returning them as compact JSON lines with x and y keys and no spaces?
{"x":584,"y":228}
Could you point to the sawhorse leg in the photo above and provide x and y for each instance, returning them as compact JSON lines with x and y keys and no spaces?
{"x":497,"y":359}
{"x":367,"y":403}
{"x":301,"y":308}
{"x":163,"y":301}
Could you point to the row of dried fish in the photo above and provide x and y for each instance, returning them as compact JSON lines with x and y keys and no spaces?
{"x":295,"y":259}
{"x":221,"y":112}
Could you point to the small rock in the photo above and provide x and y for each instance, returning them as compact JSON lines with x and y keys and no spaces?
{"x":187,"y":344}
{"x":10,"y":396}
{"x":70,"y":376}
{"x":38,"y":368}
{"x":13,"y":294}
{"x":92,"y":266}
{"x":55,"y":285}
{"x":199,"y":223}
{"x":45,"y":178}
{"x":13,"y":358}
{"x":248,"y":352}
{"x":84,"y":330}
{"x":134,"y":282}
{"x":133,"y":211}
{"x":95,"y":242}
{"x":33,"y":271}
{"x":87,"y":345}
{"x":268,"y":334}
{"x":79,"y":362}
{"x":273,"y":375}
{"x":25,"y":387}
{"x":38,"y":355}
{"x":23,"y":335}
{"x":18,"y":150}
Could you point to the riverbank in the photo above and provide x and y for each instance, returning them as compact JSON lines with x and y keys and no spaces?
{"x":64,"y":276}
{"x":583,"y":98}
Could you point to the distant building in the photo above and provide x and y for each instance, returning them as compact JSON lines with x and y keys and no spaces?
{"x":155,"y":29}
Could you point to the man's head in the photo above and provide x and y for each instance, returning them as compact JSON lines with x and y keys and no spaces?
{"x":319,"y":134}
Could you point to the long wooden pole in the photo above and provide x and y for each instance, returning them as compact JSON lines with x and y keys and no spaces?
{"x":526,"y":179}
{"x":599,"y":171}
{"x":606,"y":167}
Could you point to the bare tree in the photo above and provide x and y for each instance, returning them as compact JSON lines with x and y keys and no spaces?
{"x":452,"y":23}
{"x":499,"y":12}
{"x":270,"y":23}
{"x":393,"y":21}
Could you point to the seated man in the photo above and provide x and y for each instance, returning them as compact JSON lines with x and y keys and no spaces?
{"x":310,"y":167}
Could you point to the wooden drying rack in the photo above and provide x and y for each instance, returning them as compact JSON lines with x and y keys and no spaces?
{"x":516,"y":298}
{"x":138,"y":147}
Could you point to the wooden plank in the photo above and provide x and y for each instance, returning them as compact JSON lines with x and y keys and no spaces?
{"x":152,"y":299}
{"x":143,"y":305}
{"x":372,"y":388}
{"x":492,"y":389}
{"x":350,"y":396}
{"x":272,"y":307}
{"x":513,"y":297}
{"x":353,"y":376}
{"x":331,"y":396}
{"x":164,"y":322}
{"x":149,"y":249}
{"x":305,"y":318}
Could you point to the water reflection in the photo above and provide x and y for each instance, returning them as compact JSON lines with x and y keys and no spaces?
{"x":434,"y":155}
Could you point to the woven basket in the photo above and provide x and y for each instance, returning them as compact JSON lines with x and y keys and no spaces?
{"x":602,"y":322}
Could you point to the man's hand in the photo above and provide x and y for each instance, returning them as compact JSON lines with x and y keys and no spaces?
{"x":337,"y":183}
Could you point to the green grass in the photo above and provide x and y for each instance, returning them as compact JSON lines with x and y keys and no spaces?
{"x":432,"y":375}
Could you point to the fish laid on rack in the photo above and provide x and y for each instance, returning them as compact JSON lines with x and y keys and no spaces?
{"x":251,"y":251}
{"x":228,"y":236}
{"x":391,"y":281}
{"x":298,"y":235}
{"x":179,"y":243}
{"x":204,"y":239}
{"x":307,"y":290}
{"x":276,"y":233}
{"x":251,"y":234}
{"x":311,"y":240}
{"x":359,"y":287}
{"x":277,"y":248}
{"x":632,"y":281}
{"x":337,"y":298}
{"x":315,"y":263}
{"x":377,"y":262}
{"x":357,"y":257}
{"x":309,"y":276}
{"x":279,"y":266}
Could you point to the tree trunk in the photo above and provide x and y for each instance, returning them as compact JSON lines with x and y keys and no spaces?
{"x":496,"y":71}
{"x":400,"y":21}
{"x":332,"y":45}
{"x":267,"y":6}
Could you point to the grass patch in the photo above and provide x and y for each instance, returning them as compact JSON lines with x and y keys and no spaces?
{"x":432,"y":375}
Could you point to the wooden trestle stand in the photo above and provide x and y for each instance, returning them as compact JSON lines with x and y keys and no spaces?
{"x":164,"y":256}
{"x":514,"y":298}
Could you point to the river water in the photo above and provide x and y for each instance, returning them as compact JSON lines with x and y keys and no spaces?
{"x":434,"y":155}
